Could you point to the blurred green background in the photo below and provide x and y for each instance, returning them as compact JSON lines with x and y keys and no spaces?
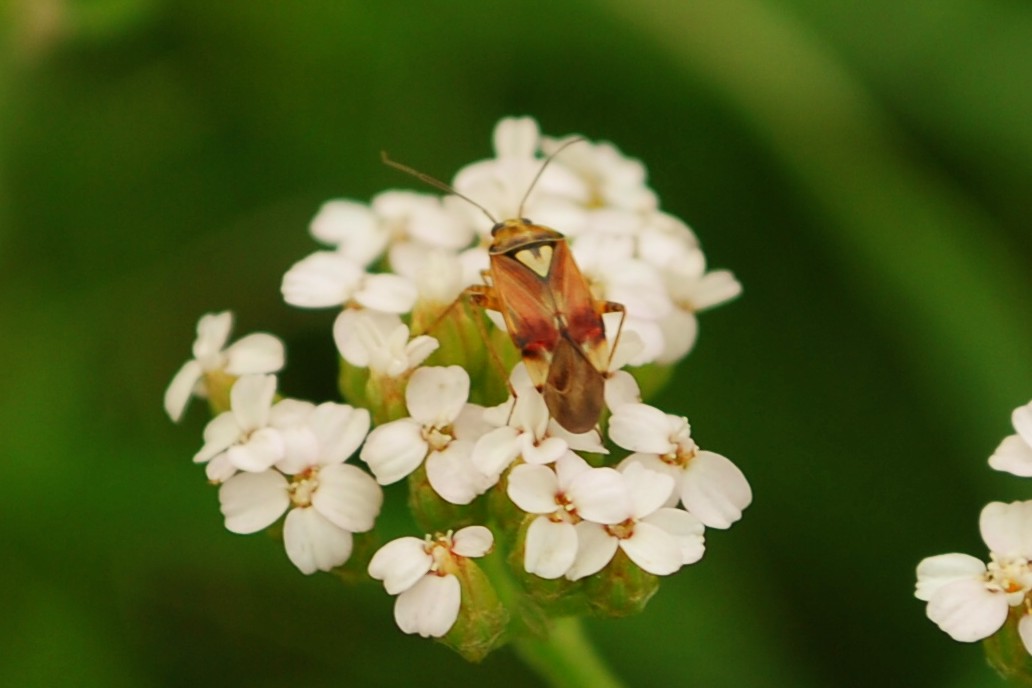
{"x":864,"y":168}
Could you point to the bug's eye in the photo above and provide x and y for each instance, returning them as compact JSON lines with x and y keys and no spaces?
{"x":494,"y":230}
{"x":526,"y":221}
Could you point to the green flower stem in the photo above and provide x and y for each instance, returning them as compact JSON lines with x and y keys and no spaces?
{"x":560,"y":652}
{"x":566,"y":658}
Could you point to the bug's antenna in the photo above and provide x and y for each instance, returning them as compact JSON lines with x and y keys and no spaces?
{"x":436,"y":183}
{"x":544,"y":165}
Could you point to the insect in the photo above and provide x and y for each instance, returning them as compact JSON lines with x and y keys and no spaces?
{"x":550,"y":313}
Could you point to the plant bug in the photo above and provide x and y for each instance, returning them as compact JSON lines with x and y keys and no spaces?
{"x":549,"y":311}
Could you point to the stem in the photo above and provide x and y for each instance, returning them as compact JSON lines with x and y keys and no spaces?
{"x":566,"y":658}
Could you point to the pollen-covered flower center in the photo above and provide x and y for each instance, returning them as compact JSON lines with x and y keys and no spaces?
{"x":439,"y":547}
{"x":1009,"y":574}
{"x":438,"y":438}
{"x":566,"y":510}
{"x":303,"y":486}
{"x":622,"y":530}
{"x":682,"y":455}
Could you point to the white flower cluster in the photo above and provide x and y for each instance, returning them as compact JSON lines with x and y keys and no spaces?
{"x":968,"y":598}
{"x":408,"y":253}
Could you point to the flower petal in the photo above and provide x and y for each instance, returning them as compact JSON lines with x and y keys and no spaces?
{"x":400,"y":564}
{"x":253,"y":501}
{"x":264,"y":448}
{"x":220,"y":434}
{"x":255,"y":353}
{"x":595,"y":549}
{"x":600,"y":495}
{"x":652,"y":549}
{"x":550,"y":548}
{"x":430,"y":607}
{"x":388,"y":293}
{"x":642,"y":428}
{"x":1007,"y":528}
{"x":435,"y":396}
{"x":347,"y":497}
{"x":648,"y":490}
{"x":340,"y":429}
{"x":393,"y":450}
{"x":493,"y":452}
{"x":1022,"y":420}
{"x":321,"y":280}
{"x":472,"y":541}
{"x":181,"y":389}
{"x":313,"y":543}
{"x":212,"y":333}
{"x":250,"y":400}
{"x":967,"y":611}
{"x":453,"y":476}
{"x":935,"y":572}
{"x":687,"y":529}
{"x":1013,"y":456}
{"x":715,"y":490}
{"x":533,"y":488}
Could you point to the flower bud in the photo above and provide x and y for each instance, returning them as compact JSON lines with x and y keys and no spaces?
{"x":433,"y":513}
{"x":480,"y":626}
{"x":620,"y":589}
{"x":1006,"y":653}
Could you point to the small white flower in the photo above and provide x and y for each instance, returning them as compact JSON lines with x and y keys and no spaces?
{"x":1014,"y":455}
{"x":658,"y":539}
{"x":709,"y":485}
{"x":572,"y":492}
{"x":526,"y":430}
{"x":241,"y":439}
{"x":438,"y":274}
{"x":968,"y":599}
{"x":253,"y":354}
{"x":424,"y":219}
{"x":328,"y":500}
{"x":352,"y":228}
{"x":500,"y":183}
{"x":435,"y":397}
{"x":614,"y":179}
{"x":329,"y":278}
{"x":422,"y":574}
{"x":380,"y":342}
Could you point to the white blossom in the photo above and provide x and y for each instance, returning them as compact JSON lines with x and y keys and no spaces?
{"x":969,"y":599}
{"x":329,"y":278}
{"x":659,"y":539}
{"x":241,"y":439}
{"x":328,"y":500}
{"x":253,"y":354}
{"x":571,"y":492}
{"x":422,"y":574}
{"x":380,"y":342}
{"x":709,"y":485}
{"x":1014,"y":455}
{"x":435,"y":398}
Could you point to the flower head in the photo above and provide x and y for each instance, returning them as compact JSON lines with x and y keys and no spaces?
{"x":709,"y":486}
{"x":422,"y":573}
{"x":327,"y":499}
{"x":969,"y":599}
{"x":213,"y":361}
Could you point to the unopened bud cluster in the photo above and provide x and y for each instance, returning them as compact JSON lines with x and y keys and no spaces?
{"x":437,"y":395}
{"x":975,"y":600}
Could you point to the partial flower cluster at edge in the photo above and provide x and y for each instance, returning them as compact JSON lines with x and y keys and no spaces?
{"x":971,"y":599}
{"x":438,"y":397}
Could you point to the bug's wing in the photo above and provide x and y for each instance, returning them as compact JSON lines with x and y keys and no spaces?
{"x":581,"y":313}
{"x":574,"y":390}
{"x":526,"y":305}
